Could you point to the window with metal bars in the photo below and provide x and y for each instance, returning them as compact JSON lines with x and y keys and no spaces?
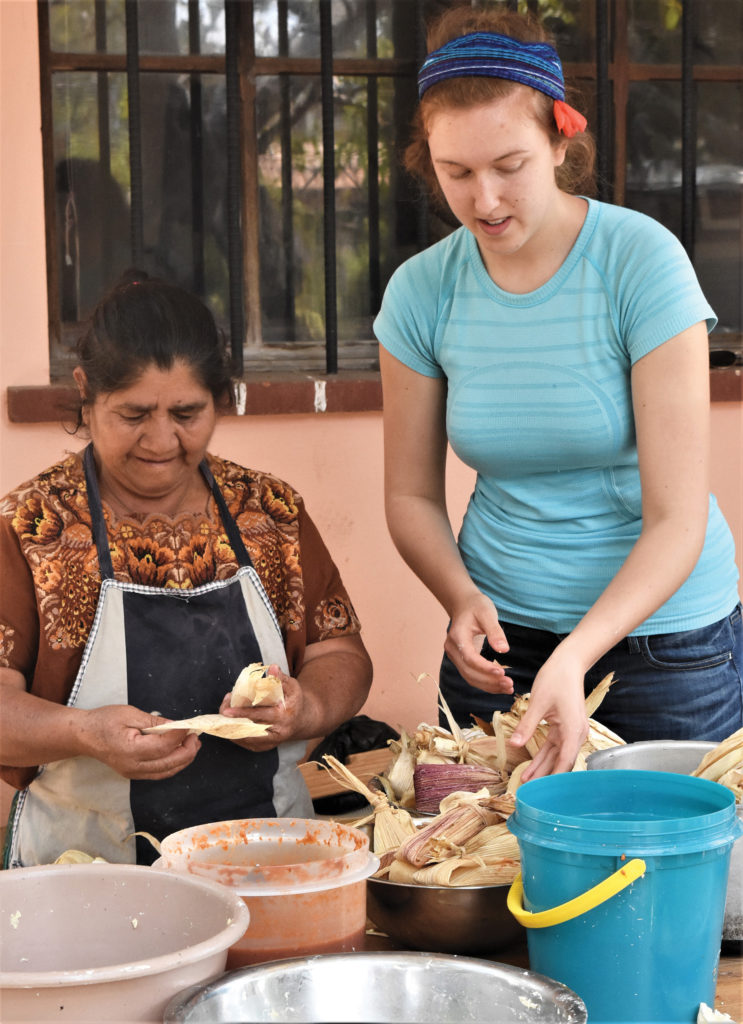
{"x":249,"y":150}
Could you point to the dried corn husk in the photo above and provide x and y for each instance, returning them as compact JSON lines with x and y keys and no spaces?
{"x":399,"y":871}
{"x":724,"y":764}
{"x":392,"y":825}
{"x":450,"y":829}
{"x":78,"y":857}
{"x":493,"y":843}
{"x":214,"y":725}
{"x":254,"y":687}
{"x":433,"y":782}
{"x":399,"y":775}
{"x":468,"y":871}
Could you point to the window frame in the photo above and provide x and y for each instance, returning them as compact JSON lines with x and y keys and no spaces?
{"x":612,"y":92}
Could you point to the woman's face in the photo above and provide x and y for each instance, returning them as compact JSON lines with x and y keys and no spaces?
{"x":150,"y":437}
{"x":496,"y":165}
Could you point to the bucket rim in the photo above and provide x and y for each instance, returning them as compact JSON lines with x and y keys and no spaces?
{"x":548,"y":812}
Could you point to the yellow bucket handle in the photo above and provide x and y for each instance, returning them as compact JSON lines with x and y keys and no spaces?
{"x":610,"y":886}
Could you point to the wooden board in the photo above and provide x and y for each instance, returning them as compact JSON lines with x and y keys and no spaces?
{"x":364,"y":766}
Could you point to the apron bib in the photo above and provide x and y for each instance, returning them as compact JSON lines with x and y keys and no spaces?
{"x":176,"y":652}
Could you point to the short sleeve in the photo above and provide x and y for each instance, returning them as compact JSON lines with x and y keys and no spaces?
{"x":329,"y":611}
{"x":19,"y":622}
{"x":406,"y":322}
{"x":658,"y":292}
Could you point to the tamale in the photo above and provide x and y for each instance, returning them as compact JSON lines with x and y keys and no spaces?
{"x":391,"y":824}
{"x":254,"y":687}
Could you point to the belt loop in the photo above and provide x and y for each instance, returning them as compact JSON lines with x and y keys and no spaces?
{"x":633,"y":644}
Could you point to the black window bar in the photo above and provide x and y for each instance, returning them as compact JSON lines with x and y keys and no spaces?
{"x":238,"y":15}
{"x":135,"y":132}
{"x":688,"y":128}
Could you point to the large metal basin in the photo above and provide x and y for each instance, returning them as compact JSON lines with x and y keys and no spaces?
{"x":378,"y":988}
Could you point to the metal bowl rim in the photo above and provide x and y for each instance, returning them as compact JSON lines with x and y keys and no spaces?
{"x":194,"y":995}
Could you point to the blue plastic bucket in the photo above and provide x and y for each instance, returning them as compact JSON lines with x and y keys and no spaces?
{"x":645,"y":858}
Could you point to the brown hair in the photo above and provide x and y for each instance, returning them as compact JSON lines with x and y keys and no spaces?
{"x":145,"y":322}
{"x":575,"y":175}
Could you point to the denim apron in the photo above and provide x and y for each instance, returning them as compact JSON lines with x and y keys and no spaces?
{"x":176,"y":652}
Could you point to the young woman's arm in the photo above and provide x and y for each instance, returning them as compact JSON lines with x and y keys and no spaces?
{"x":670,"y":391}
{"x":415,"y":447}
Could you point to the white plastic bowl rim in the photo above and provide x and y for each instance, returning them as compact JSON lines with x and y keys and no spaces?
{"x":257,"y":889}
{"x":236,"y":925}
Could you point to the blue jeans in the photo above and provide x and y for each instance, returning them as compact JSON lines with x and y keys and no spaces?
{"x":672,"y":686}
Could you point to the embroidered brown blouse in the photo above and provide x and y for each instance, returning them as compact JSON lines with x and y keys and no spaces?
{"x":50,"y":578}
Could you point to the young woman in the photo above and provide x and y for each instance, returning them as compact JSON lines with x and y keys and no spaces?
{"x":140,"y":576}
{"x":560,"y":346}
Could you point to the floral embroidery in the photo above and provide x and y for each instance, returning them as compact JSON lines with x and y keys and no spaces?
{"x":7,"y":643}
{"x":147,"y":562}
{"x":35,"y":521}
{"x":334,"y":616}
{"x":51,"y":519}
{"x":278,"y":501}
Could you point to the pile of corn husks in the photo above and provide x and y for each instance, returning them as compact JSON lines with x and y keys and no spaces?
{"x":470,"y":777}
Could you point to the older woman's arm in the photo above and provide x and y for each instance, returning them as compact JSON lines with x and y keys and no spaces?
{"x":35,"y":731}
{"x":329,"y":689}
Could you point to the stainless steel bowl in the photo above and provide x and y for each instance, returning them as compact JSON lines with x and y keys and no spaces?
{"x":470,"y":920}
{"x":678,"y":756}
{"x":378,"y":988}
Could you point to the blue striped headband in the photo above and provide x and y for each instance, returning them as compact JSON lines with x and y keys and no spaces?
{"x":491,"y":55}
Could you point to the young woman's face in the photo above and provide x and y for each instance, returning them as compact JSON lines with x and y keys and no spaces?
{"x":496,"y":167}
{"x":151,"y":436}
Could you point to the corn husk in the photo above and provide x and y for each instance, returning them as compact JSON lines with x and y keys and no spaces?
{"x":469,"y":871}
{"x":724,"y":764}
{"x":493,"y":842}
{"x":399,"y":871}
{"x":400,"y":774}
{"x":433,"y":782}
{"x":448,"y":831}
{"x":78,"y":857}
{"x":214,"y":725}
{"x":255,"y":688}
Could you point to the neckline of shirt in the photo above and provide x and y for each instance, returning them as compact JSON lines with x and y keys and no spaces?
{"x":548,"y":289}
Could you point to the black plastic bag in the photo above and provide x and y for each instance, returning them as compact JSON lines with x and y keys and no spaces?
{"x":355,"y":736}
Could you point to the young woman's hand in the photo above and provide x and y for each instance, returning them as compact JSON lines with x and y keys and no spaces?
{"x":556,"y":697}
{"x":474,"y":620}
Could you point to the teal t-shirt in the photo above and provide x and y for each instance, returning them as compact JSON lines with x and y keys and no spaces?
{"x":539,"y":404}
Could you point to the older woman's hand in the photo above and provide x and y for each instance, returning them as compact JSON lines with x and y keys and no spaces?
{"x":330,"y":688}
{"x":284,"y":719}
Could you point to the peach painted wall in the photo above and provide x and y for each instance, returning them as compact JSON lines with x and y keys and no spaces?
{"x":335,"y":461}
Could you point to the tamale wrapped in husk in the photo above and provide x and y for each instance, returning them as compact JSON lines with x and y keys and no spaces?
{"x":254,"y":687}
{"x":456,"y":826}
{"x":493,"y":842}
{"x":391,"y":824}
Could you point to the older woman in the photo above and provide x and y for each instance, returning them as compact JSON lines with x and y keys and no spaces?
{"x":140,"y":576}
